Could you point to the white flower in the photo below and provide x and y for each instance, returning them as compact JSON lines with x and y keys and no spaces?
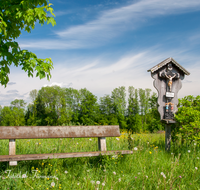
{"x":147,"y":142}
{"x":119,"y":179}
{"x":164,"y":176}
{"x":66,"y":172}
{"x":104,"y":170}
{"x":172,"y":153}
{"x":90,"y":139}
{"x":88,"y":170}
{"x":195,"y":144}
{"x":188,"y":151}
{"x":24,"y":176}
{"x":98,"y":182}
{"x":117,"y":139}
{"x":52,"y":184}
{"x":135,"y":148}
{"x":196,"y":168}
{"x":103,"y":184}
{"x":115,"y":156}
{"x":56,"y":178}
{"x":138,"y":173}
{"x":114,"y":173}
{"x":78,"y":183}
{"x":162,"y":173}
{"x":76,"y":143}
{"x":197,"y":157}
{"x":92,"y":182}
{"x":146,"y":176}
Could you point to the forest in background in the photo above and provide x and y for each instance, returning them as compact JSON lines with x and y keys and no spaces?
{"x":67,"y":106}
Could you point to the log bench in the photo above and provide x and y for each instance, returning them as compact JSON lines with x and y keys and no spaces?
{"x":42,"y":132}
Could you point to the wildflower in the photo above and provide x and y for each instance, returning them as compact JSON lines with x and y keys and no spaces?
{"x":47,"y":178}
{"x":195,"y":144}
{"x":98,"y":182}
{"x":119,"y":179}
{"x":196,"y":168}
{"x":78,"y":183}
{"x":92,"y":182}
{"x":180,"y":176}
{"x":52,"y":184}
{"x":42,"y":163}
{"x":150,"y":152}
{"x":90,"y":139}
{"x":146,"y":176}
{"x":172,"y":153}
{"x":114,"y":173}
{"x":88,"y":170}
{"x":135,"y":177}
{"x":197,"y":157}
{"x":147,"y":142}
{"x":24,"y":176}
{"x":135,"y":148}
{"x":56,"y":178}
{"x":104,"y":170}
{"x":188,"y":151}
{"x":66,"y":172}
{"x":138,"y":173}
{"x":117,"y":139}
{"x":103,"y":184}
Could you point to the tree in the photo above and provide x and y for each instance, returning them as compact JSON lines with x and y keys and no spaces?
{"x":119,"y":101}
{"x":16,"y":15}
{"x":18,"y":103}
{"x":188,"y":120}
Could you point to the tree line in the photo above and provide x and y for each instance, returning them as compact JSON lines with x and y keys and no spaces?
{"x":67,"y":106}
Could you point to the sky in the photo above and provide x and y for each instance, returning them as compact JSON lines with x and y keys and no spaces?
{"x":104,"y":44}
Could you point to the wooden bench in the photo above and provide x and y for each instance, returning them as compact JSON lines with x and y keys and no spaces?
{"x":42,"y":132}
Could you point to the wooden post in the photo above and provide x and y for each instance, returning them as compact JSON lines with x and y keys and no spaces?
{"x":102,"y":143}
{"x":167,"y":137}
{"x":12,"y":151}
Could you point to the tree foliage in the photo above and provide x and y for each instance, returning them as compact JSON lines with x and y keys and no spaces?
{"x":188,"y":120}
{"x":15,"y":16}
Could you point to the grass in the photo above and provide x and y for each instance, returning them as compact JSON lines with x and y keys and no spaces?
{"x":149,"y":167}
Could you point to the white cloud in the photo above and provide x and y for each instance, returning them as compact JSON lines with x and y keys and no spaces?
{"x":112,"y":23}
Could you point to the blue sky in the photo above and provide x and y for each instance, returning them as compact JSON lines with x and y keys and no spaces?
{"x":101,"y":45}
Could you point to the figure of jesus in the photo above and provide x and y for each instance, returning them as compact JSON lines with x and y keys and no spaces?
{"x":170,"y":81}
{"x":169,"y":75}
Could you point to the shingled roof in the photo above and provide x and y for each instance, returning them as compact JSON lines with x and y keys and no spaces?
{"x":165,"y":62}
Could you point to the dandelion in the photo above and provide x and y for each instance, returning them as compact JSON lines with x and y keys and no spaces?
{"x":135,"y":148}
{"x":114,"y":173}
{"x":98,"y":182}
{"x":196,"y":168}
{"x":43,"y":164}
{"x":52,"y":184}
{"x":150,"y":152}
{"x":188,"y":151}
{"x":103,"y":184}
{"x":66,"y":172}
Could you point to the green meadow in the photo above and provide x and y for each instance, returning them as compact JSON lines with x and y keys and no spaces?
{"x":149,"y":167}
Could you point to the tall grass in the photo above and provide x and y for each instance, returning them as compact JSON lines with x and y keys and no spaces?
{"x":149,"y":167}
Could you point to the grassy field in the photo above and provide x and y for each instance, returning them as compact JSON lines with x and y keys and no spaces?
{"x":149,"y":167}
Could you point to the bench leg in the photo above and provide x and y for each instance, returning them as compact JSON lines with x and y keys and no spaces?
{"x":102,"y":143}
{"x":12,"y":151}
